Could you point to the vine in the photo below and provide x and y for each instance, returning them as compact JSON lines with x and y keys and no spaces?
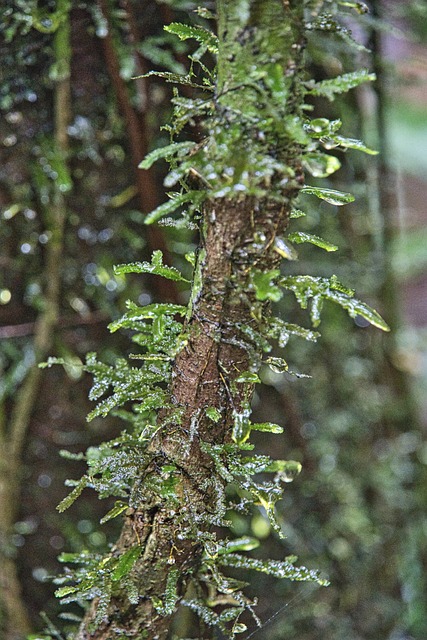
{"x":185,"y":395}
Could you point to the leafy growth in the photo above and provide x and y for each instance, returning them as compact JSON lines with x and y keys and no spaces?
{"x":300,"y":236}
{"x":341,"y":84}
{"x":156,"y":267}
{"x":248,"y":126}
{"x":205,"y":37}
{"x":318,"y":289}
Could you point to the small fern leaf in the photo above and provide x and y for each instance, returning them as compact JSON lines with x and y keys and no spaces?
{"x":72,"y":497}
{"x":341,"y":84}
{"x":175,"y":149}
{"x":156,"y":267}
{"x":118,"y":508}
{"x":337,"y":198}
{"x":276,"y":568}
{"x":300,"y":236}
{"x":203,"y":36}
{"x":176,"y":201}
{"x":353,"y":143}
{"x":125,"y":563}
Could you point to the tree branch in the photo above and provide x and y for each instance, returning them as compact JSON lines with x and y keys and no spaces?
{"x":137,"y":136}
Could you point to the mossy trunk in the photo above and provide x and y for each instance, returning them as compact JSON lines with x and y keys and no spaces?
{"x":237,"y":236}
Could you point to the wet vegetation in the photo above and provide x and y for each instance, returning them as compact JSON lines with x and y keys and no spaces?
{"x":225,"y":373}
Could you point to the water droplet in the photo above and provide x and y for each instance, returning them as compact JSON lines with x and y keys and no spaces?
{"x":5,"y":296}
{"x":40,"y":574}
{"x":44,"y":480}
{"x":25,"y":247}
{"x":321,"y":165}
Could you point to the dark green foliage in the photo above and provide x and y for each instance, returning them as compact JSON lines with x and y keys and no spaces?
{"x":98,"y":576}
{"x":341,"y":84}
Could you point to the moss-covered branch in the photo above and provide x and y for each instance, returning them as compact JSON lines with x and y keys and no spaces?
{"x":207,"y":390}
{"x":188,"y":402}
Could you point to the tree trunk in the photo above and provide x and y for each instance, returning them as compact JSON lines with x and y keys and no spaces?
{"x":14,"y":622}
{"x":237,"y":236}
{"x":138,"y":136}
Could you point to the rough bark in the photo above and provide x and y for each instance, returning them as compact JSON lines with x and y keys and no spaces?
{"x":202,"y":377}
{"x":237,"y":236}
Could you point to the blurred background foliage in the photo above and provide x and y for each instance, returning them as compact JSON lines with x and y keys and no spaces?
{"x":358,"y":424}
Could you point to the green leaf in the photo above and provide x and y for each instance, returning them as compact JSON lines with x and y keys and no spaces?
{"x":269,"y":427}
{"x":148,"y":312}
{"x":246,"y":543}
{"x":175,"y":78}
{"x":338,"y":198}
{"x":319,"y":289}
{"x":156,"y":267}
{"x":51,"y":361}
{"x":248,"y":376}
{"x":176,"y":201}
{"x":118,"y":508}
{"x":326,"y":22}
{"x":72,"y":497}
{"x":242,"y":426}
{"x":276,"y":568}
{"x":284,"y":249}
{"x":360,"y":7}
{"x":170,"y":597}
{"x":281,"y":331}
{"x":278,"y":365}
{"x":287,"y":470}
{"x":321,"y":127}
{"x":65,"y":591}
{"x":355,"y":308}
{"x":205,"y":13}
{"x":175,"y":149}
{"x":125,"y":563}
{"x":300,"y":236}
{"x":203,"y":36}
{"x":68,"y":455}
{"x":191,"y":258}
{"x":340,"y":84}
{"x":352,"y":143}
{"x":297,"y":213}
{"x":213,"y":414}
{"x":171,"y":594}
{"x":265,"y":288}
{"x":326,"y":131}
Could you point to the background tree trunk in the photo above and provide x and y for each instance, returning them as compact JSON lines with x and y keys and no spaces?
{"x":15,"y":623}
